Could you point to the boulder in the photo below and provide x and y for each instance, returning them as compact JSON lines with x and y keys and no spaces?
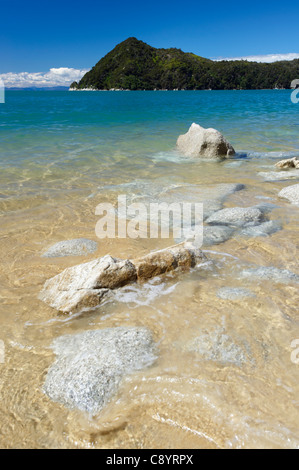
{"x":204,"y":143}
{"x":84,"y":286}
{"x":75,"y":247}
{"x":288,"y":163}
{"x":183,"y":256}
{"x":291,"y":193}
{"x":236,"y":217}
{"x":89,"y":366}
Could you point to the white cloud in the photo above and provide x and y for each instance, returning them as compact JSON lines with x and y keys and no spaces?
{"x":62,"y":76}
{"x":264,"y":58}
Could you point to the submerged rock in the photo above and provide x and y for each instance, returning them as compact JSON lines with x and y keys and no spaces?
{"x":278,"y":175}
{"x":85,"y":285}
{"x":90,"y":365}
{"x":288,"y":163}
{"x":266,"y":207}
{"x":262,"y":230}
{"x":204,"y":143}
{"x":236,"y":217}
{"x":234,"y":293}
{"x":291,"y":193}
{"x":270,"y":273}
{"x":75,"y":247}
{"x":216,"y":345}
{"x":215,"y":234}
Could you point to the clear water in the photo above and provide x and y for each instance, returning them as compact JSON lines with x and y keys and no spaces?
{"x":61,"y":154}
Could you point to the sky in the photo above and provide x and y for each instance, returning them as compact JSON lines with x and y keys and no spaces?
{"x":51,"y":42}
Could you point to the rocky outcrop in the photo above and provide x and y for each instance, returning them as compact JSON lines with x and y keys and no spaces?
{"x":75,"y":247}
{"x":204,"y":143}
{"x":90,"y":366}
{"x":288,"y":163}
{"x":83,"y":286}
{"x":291,"y":193}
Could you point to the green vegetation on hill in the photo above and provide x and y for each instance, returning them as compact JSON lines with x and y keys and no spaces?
{"x":134,"y":65}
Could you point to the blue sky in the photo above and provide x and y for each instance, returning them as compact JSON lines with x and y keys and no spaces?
{"x":37,"y":36}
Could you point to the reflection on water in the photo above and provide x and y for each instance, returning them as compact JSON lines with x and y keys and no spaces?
{"x":224,"y":377}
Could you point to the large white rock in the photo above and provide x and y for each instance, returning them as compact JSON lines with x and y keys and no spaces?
{"x":291,"y":193}
{"x":83,"y":286}
{"x":205,"y":143}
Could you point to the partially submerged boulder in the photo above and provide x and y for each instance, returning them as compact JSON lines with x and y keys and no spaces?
{"x":205,"y":143}
{"x":288,"y":163}
{"x":291,"y":193}
{"x":90,"y":365}
{"x":85,"y":285}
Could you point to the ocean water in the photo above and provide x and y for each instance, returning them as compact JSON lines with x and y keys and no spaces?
{"x":63,"y":153}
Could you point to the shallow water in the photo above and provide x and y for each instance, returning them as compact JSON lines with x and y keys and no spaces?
{"x":64,"y":153}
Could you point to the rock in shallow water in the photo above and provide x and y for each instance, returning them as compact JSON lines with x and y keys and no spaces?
{"x":216,"y":345}
{"x":262,"y":230}
{"x":215,"y":234}
{"x":236,"y":217}
{"x":288,"y":163}
{"x":278,"y":175}
{"x":204,"y":143}
{"x":84,"y":286}
{"x":291,"y":193}
{"x":234,"y":293}
{"x":75,"y":247}
{"x":90,"y":365}
{"x":270,"y":273}
{"x":211,"y":196}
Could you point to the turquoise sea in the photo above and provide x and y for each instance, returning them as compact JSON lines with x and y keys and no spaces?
{"x":75,"y":129}
{"x":224,"y":376}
